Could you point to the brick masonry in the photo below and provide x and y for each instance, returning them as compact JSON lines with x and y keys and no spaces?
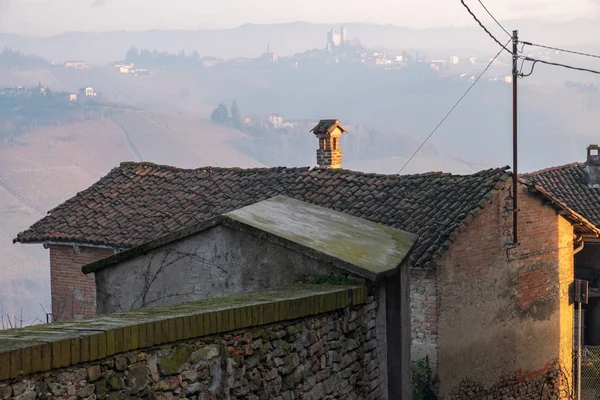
{"x":330,"y":355}
{"x":73,"y":293}
{"x":519,"y":298}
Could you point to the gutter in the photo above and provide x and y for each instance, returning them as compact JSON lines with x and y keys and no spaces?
{"x":76,"y":246}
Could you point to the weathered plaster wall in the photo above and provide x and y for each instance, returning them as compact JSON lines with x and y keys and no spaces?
{"x":333,"y":355}
{"x":217,"y":262}
{"x":73,"y":293}
{"x":423,"y":314}
{"x":503,"y":323}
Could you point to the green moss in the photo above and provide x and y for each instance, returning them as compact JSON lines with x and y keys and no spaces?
{"x":333,"y":279}
{"x":290,"y":363}
{"x":205,"y":353}
{"x":285,"y":346}
{"x":172,"y":364}
{"x":258,"y":333}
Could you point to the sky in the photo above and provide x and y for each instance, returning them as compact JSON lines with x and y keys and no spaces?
{"x":51,"y":17}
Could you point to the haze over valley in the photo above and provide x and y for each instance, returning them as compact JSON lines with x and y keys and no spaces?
{"x":248,"y":97}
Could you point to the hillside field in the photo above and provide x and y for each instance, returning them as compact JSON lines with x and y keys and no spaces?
{"x":43,"y":168}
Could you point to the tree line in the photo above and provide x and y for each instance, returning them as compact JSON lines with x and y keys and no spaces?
{"x":232,"y":116}
{"x":12,"y":58}
{"x":154,"y":59}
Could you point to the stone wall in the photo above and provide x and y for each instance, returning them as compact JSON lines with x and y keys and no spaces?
{"x":539,"y":385}
{"x":423,"y":316}
{"x":333,"y":355}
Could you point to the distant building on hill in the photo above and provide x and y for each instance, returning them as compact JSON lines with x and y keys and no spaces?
{"x":269,"y":57}
{"x":77,"y":64}
{"x":88,"y":91}
{"x":276,"y":120}
{"x":336,"y":38}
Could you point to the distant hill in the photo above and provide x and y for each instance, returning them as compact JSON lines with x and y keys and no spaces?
{"x":250,"y":40}
{"x":44,"y":167}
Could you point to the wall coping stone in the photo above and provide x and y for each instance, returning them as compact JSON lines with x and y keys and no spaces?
{"x":40,"y":348}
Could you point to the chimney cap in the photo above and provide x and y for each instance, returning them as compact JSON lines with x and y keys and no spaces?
{"x":593,"y":154}
{"x":326,"y":126}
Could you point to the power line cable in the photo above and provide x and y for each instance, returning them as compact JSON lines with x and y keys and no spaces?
{"x":494,"y":18}
{"x":452,"y":109}
{"x":563,"y":50}
{"x":484,"y":28}
{"x":535,"y":61}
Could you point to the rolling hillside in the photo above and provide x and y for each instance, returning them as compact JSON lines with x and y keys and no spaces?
{"x":42,"y":168}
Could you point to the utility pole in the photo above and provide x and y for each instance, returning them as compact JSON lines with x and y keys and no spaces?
{"x":515,"y":76}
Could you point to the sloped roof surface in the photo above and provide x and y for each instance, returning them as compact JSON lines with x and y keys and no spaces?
{"x":139,"y":202}
{"x":568,"y":184}
{"x":370,"y":249}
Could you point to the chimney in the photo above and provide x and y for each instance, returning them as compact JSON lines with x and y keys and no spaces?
{"x":592,"y":166}
{"x":329,"y":154}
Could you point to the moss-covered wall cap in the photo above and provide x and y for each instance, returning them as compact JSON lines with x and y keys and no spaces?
{"x":43,"y":347}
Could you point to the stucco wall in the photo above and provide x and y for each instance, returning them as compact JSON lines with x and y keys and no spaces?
{"x":73,"y":293}
{"x":502,"y":323}
{"x":216,"y":262}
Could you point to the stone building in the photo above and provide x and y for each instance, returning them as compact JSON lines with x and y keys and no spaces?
{"x":491,"y":316}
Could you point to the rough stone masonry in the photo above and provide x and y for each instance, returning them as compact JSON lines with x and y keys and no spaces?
{"x":329,"y":356}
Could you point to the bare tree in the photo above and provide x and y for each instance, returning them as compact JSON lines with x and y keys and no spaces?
{"x":151,"y":274}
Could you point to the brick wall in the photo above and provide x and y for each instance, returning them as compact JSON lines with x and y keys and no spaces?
{"x":504,"y":317}
{"x":320,"y":343}
{"x":73,"y":293}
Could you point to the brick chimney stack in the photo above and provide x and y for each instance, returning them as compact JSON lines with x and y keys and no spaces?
{"x":329,"y":154}
{"x":592,"y":166}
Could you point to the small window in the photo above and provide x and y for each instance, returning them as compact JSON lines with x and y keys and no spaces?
{"x":594,"y":152}
{"x":335,"y":143}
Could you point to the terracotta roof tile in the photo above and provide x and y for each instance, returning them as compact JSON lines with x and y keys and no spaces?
{"x":138,"y":202}
{"x":568,"y":184}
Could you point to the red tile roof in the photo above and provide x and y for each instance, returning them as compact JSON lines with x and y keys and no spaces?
{"x":138,"y":202}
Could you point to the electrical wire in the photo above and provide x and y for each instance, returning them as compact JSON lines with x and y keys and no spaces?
{"x":563,"y":50}
{"x":494,"y":18}
{"x":452,"y":109}
{"x":535,"y":61}
{"x":485,"y":29}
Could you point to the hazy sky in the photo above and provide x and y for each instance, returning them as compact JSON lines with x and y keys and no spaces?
{"x":46,"y":17}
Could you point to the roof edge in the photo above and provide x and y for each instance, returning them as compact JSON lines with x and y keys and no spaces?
{"x":151,"y":245}
{"x":257,"y":232}
{"x":571,"y":215}
{"x":314,"y":253}
{"x":462,"y":225}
